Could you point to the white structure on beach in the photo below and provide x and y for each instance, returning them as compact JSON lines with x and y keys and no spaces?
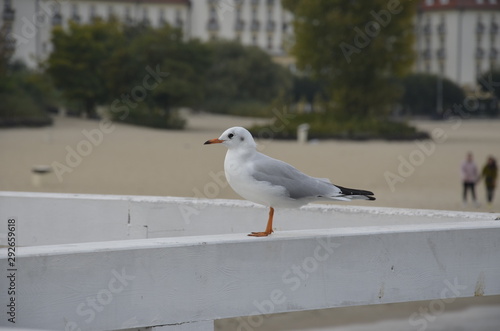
{"x":262,"y":23}
{"x":457,"y":39}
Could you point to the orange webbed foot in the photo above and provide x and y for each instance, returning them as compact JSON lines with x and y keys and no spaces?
{"x":260,"y":234}
{"x":269,"y":227}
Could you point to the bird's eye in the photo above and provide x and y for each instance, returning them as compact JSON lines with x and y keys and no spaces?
{"x":230,"y":136}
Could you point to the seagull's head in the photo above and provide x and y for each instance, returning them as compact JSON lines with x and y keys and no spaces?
{"x":236,"y":137}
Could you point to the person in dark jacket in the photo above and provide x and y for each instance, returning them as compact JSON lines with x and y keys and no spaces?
{"x":489,"y":173}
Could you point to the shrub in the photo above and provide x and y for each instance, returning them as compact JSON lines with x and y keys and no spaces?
{"x":323,"y":127}
{"x":151,"y":117}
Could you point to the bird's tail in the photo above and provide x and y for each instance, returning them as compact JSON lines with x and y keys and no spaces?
{"x":347,"y":194}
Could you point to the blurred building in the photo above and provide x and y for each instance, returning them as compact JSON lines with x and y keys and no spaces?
{"x":458,"y":39}
{"x":262,"y":23}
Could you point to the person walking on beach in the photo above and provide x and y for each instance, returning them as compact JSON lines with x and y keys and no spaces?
{"x":489,"y":173}
{"x":469,"y":178}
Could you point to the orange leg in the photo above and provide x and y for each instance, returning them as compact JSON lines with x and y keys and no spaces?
{"x":269,"y":227}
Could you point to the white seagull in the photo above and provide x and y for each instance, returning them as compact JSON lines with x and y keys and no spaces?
{"x":274,"y":183}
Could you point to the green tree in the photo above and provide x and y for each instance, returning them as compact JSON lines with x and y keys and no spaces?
{"x":7,"y":46}
{"x":243,"y":79}
{"x":79,"y":61}
{"x":25,"y":97}
{"x":165,"y":50}
{"x":357,"y":48}
{"x":421,"y":93}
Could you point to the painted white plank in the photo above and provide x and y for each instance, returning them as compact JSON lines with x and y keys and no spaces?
{"x":158,"y":282}
{"x":49,"y":218}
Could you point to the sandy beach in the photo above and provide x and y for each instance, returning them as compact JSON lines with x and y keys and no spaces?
{"x":90,"y":156}
{"x":95,"y":157}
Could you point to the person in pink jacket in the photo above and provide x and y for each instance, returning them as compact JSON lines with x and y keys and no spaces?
{"x":470,"y":176}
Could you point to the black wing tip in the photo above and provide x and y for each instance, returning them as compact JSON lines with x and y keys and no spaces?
{"x":352,"y":191}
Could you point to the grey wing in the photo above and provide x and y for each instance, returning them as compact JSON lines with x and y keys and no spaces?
{"x":297,"y":184}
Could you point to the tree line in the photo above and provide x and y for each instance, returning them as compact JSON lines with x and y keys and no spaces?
{"x":353,"y":73}
{"x":146,"y":73}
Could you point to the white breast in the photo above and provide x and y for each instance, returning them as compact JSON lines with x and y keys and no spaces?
{"x":239,"y":168}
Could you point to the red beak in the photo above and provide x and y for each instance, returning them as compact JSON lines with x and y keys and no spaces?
{"x":213,"y":141}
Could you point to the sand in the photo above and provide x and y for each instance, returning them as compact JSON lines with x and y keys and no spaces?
{"x":133,"y":160}
{"x":93,"y":157}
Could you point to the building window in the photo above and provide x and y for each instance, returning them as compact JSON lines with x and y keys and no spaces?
{"x":179,"y":22}
{"x":284,"y":27}
{"x":75,"y":17}
{"x":145,"y":17}
{"x":441,"y":28}
{"x":493,"y":53}
{"x":479,"y":53}
{"x":128,"y":17}
{"x":56,"y":15}
{"x":111,"y":12}
{"x":93,"y":13}
{"x":269,"y":42}
{"x":213,"y":23}
{"x":494,"y":28}
{"x":161,"y":17}
{"x":239,"y":24}
{"x":8,"y":13}
{"x":270,"y":26}
{"x":441,"y":54}
{"x":427,"y":29}
{"x":480,"y":28}
{"x":426,"y":54}
{"x":255,"y":25}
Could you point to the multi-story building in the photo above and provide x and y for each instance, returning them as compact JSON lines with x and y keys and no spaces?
{"x":458,"y":39}
{"x":262,"y":23}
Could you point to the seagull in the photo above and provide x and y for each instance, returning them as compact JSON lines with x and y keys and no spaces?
{"x":274,"y":183}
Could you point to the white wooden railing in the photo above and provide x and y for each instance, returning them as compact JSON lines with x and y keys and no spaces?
{"x":87,"y":262}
